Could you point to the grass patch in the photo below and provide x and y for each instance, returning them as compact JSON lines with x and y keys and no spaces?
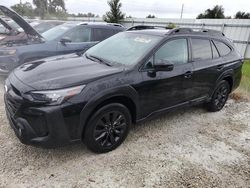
{"x":245,"y":81}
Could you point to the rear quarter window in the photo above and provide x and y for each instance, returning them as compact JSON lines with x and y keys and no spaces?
{"x":222,"y":48}
{"x":215,"y":51}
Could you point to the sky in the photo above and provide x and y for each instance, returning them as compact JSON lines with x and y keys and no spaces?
{"x":159,"y":8}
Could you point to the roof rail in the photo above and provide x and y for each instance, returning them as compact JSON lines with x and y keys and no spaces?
{"x":143,"y":27}
{"x":115,"y":24}
{"x":183,"y":30}
{"x":101,"y":23}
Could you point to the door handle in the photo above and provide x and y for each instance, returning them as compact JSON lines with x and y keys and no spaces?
{"x":188,"y":74}
{"x":220,"y":67}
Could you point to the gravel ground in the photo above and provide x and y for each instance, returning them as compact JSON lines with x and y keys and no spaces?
{"x":186,"y":148}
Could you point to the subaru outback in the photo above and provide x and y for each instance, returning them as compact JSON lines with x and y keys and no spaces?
{"x":125,"y":79}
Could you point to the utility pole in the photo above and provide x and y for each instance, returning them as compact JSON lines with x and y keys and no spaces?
{"x":182,"y":8}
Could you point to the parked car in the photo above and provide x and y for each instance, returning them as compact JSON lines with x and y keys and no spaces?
{"x":124,"y":79}
{"x":10,"y":32}
{"x":63,"y":39}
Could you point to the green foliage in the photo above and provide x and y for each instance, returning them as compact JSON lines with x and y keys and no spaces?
{"x":245,"y":81}
{"x":151,"y":16}
{"x":56,"y":6}
{"x":216,"y":12}
{"x":45,"y":8}
{"x":246,"y":69}
{"x":171,"y":25}
{"x":24,"y":9}
{"x":242,"y":15}
{"x":41,"y":7}
{"x":115,"y":14}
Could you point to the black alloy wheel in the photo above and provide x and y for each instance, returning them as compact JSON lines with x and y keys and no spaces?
{"x":220,"y":97}
{"x":107,"y":128}
{"x":110,"y":128}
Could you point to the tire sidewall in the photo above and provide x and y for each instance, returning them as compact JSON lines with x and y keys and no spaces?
{"x":212,"y":106}
{"x":88,"y":136}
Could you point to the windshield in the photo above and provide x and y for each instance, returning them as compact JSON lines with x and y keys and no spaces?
{"x":56,"y":32}
{"x":43,"y":27}
{"x":124,"y":48}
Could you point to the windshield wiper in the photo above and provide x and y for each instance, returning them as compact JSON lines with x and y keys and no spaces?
{"x":100,"y":60}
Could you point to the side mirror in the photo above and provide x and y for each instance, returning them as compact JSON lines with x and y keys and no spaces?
{"x":163,"y":65}
{"x":65,"y":40}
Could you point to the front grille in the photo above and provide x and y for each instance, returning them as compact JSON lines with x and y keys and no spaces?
{"x":12,"y":101}
{"x":12,"y":106}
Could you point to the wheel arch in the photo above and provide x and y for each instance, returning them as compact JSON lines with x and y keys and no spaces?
{"x":123,"y":95}
{"x":227,"y":76}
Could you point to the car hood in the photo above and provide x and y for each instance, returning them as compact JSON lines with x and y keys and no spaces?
{"x":20,"y":21}
{"x":62,"y":72}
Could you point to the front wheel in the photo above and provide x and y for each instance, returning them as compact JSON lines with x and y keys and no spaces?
{"x":219,"y":97}
{"x":107,"y":128}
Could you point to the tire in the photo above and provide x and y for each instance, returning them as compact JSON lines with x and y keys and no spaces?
{"x":107,"y":128}
{"x":219,"y":97}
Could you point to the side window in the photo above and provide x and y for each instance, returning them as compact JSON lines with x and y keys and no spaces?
{"x":222,"y":47}
{"x":215,"y":51}
{"x":175,"y":51}
{"x":101,"y":34}
{"x":201,"y":49}
{"x":81,"y":34}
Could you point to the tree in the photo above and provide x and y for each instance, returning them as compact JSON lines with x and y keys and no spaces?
{"x":242,"y":15}
{"x":56,"y":5}
{"x":49,"y":7}
{"x":216,"y":12}
{"x":151,"y":16}
{"x":41,"y":7}
{"x":115,"y":14}
{"x":24,"y":9}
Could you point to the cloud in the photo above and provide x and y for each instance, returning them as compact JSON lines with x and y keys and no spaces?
{"x":160,"y":8}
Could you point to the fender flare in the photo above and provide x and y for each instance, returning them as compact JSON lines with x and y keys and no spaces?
{"x":228,"y":73}
{"x":121,"y":91}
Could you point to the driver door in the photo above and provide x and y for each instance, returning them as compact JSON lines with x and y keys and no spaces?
{"x":78,"y":40}
{"x":165,"y":89}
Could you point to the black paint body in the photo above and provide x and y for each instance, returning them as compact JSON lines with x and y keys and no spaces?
{"x":144,"y":95}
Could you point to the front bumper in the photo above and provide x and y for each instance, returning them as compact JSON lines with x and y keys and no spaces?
{"x":44,"y":126}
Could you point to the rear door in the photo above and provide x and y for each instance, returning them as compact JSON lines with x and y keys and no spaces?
{"x":206,"y":61}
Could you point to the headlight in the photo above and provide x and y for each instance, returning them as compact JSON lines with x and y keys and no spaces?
{"x":55,"y":97}
{"x":7,"y":52}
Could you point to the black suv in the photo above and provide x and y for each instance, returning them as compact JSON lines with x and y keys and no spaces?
{"x":123,"y":80}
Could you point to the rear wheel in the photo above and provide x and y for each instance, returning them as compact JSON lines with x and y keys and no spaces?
{"x":107,"y":128}
{"x":219,"y":97}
